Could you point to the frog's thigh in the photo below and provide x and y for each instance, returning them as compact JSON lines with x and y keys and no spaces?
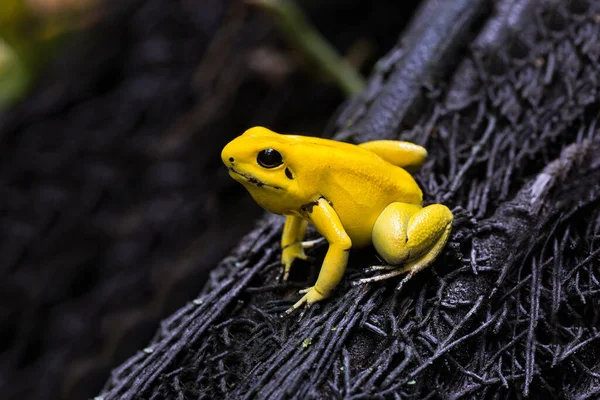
{"x":405,"y":232}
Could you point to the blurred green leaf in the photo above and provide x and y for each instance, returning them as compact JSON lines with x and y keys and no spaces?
{"x":14,"y":77}
{"x":30,"y":34}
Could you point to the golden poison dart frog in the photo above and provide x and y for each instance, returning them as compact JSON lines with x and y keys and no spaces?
{"x":354,"y":195}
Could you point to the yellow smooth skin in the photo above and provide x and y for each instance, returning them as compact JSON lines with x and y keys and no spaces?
{"x":354,"y":195}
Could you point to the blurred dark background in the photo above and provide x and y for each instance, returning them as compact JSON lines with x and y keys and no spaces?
{"x":114,"y":204}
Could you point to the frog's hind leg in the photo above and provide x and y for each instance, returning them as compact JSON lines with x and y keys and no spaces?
{"x":410,"y":236}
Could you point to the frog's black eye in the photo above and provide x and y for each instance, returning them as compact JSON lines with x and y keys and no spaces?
{"x":269,"y":158}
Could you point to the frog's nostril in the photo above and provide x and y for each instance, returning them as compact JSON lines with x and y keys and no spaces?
{"x":231,"y":160}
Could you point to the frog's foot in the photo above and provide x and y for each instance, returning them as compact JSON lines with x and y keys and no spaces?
{"x":311,"y":296}
{"x":411,"y":268}
{"x":395,"y":272}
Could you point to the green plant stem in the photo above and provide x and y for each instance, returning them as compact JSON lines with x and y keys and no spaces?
{"x":311,"y":43}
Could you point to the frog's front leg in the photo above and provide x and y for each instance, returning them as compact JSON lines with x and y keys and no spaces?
{"x":410,"y":235}
{"x":291,"y":242}
{"x":324,"y":218}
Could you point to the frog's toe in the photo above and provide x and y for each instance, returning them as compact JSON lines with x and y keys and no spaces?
{"x":404,"y":280}
{"x":311,"y":296}
{"x":298,"y":304}
{"x":285,"y":273}
{"x":395,"y":271}
{"x":304,"y":291}
{"x":374,"y":268}
{"x":312,"y":243}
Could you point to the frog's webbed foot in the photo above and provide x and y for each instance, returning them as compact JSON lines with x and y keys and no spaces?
{"x":311,"y":296}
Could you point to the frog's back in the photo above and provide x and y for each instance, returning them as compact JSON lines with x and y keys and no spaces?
{"x":358,"y":183}
{"x":344,"y":169}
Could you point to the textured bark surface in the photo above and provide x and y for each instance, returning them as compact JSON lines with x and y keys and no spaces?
{"x":511,"y":309}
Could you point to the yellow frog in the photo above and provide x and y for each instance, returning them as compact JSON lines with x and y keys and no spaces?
{"x":354,"y":195}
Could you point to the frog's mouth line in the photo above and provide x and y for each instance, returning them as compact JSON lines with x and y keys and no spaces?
{"x":253,"y":180}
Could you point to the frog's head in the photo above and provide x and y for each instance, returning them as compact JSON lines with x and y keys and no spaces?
{"x":258,"y":160}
